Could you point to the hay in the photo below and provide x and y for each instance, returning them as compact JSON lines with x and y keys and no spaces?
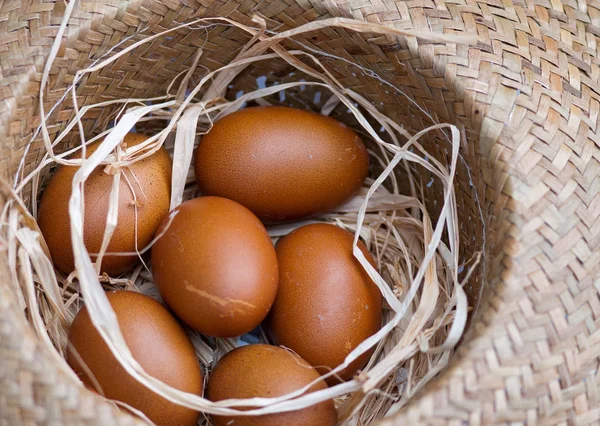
{"x":417,"y":261}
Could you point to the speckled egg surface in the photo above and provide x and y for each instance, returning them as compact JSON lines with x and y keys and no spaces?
{"x":157,"y":342}
{"x":326,"y":304}
{"x":215,"y":266}
{"x":281,"y":163}
{"x":150,"y":181}
{"x":267,"y":371}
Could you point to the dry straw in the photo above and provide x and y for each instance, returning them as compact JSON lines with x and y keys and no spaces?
{"x":417,"y":260}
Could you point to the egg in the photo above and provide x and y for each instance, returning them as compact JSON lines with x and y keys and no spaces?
{"x":149,"y":179}
{"x":267,"y":371}
{"x":215,"y":266}
{"x":157,"y":342}
{"x":326,"y":304}
{"x":282,"y":163}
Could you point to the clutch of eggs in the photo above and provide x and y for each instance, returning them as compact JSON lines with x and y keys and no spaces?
{"x":217,"y":270}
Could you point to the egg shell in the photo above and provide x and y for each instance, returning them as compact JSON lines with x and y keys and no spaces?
{"x":267,"y":371}
{"x":326,"y":304}
{"x":157,"y":342}
{"x":282,"y":163}
{"x":215,"y":266}
{"x":152,"y":186}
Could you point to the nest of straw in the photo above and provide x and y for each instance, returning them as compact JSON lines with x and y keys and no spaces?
{"x":417,"y":261}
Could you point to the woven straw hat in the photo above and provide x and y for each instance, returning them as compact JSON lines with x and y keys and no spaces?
{"x":528,"y":99}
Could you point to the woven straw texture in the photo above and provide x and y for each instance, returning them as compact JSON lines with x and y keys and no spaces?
{"x":528,"y":99}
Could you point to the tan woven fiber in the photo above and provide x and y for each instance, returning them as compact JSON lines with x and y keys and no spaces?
{"x":528,"y":99}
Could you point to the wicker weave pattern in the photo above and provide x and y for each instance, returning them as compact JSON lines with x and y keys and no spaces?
{"x":528,"y":96}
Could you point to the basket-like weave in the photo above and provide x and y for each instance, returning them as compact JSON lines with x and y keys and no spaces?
{"x":528,"y":99}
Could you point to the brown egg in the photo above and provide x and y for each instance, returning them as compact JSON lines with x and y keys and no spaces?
{"x":157,"y":342}
{"x":282,"y":163}
{"x":326,"y":303}
{"x":267,"y":371}
{"x":215,"y":266}
{"x":152,"y":186}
